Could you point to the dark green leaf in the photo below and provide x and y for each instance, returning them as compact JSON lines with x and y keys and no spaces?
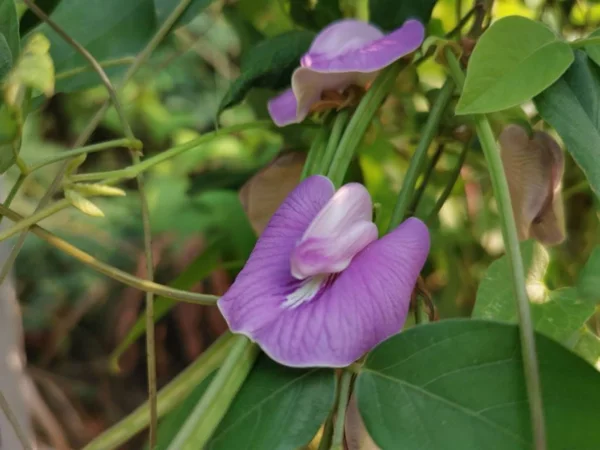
{"x":108,"y":29}
{"x":9,"y":27}
{"x":269,"y":64}
{"x":278,"y":408}
{"x":571,"y":106}
{"x":29,"y":20}
{"x":458,"y":384}
{"x":593,"y":50}
{"x":165,"y":7}
{"x":5,"y":57}
{"x":512,"y":50}
{"x":315,"y":16}
{"x":391,"y":14}
{"x":589,"y":278}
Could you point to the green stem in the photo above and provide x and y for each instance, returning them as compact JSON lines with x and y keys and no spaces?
{"x":135,"y":169}
{"x":419,"y":157}
{"x":127,"y":143}
{"x":34,"y":218}
{"x":110,"y":271}
{"x":13,"y":191}
{"x":168,"y":398}
{"x":360,"y":121}
{"x":448,"y":189}
{"x":337,"y":442}
{"x":104,"y":64}
{"x":513,"y":253}
{"x":339,"y":124}
{"x":212,"y":407}
{"x":584,"y":42}
{"x":315,"y":153}
{"x":327,"y":434}
{"x":19,"y":432}
{"x":426,"y":177}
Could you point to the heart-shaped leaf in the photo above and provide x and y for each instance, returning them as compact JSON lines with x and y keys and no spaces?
{"x":269,"y":64}
{"x":391,"y":14}
{"x":458,"y":384}
{"x":570,"y":105}
{"x":511,"y":51}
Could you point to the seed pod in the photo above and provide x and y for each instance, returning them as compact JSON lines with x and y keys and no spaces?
{"x":98,"y":189}
{"x":83,"y":204}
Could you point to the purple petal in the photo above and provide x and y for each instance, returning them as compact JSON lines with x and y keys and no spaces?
{"x":341,"y":229}
{"x":371,"y":56}
{"x":340,"y":37}
{"x":283,"y":109}
{"x":255,"y":299}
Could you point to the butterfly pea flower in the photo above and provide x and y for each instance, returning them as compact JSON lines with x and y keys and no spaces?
{"x":534,"y":167}
{"x":345,"y":53}
{"x":320,"y":288}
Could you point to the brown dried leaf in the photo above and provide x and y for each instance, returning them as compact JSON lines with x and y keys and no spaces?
{"x":265,"y":191}
{"x":357,"y":437}
{"x":533,"y":168}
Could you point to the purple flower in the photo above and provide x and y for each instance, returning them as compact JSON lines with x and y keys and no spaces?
{"x":320,"y":289}
{"x":346,"y":52}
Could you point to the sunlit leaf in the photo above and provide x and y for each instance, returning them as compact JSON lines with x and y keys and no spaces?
{"x":269,"y":64}
{"x":570,"y":105}
{"x":459,"y":384}
{"x":512,"y":50}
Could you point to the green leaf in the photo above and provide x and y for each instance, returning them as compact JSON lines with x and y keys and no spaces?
{"x":9,"y":27}
{"x":570,"y":105}
{"x":589,"y":278}
{"x":504,"y":69}
{"x":108,"y":29}
{"x":269,"y":64}
{"x":165,"y":7}
{"x":559,"y":314}
{"x":593,"y":50}
{"x":29,"y":20}
{"x":278,"y":408}
{"x":5,"y":57}
{"x":458,"y":384}
{"x":391,"y":14}
{"x":315,"y":15}
{"x":199,"y":269}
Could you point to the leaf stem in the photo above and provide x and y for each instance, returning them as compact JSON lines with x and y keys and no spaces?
{"x":107,"y":145}
{"x":448,"y":189}
{"x":339,"y":124}
{"x":212,"y":407}
{"x":13,"y":191}
{"x":425,"y":181}
{"x":168,"y":397}
{"x":133,"y":170}
{"x":513,"y":252}
{"x":420,"y":155}
{"x":315,"y":153}
{"x":360,"y":121}
{"x":19,"y":432}
{"x":337,"y":443}
{"x":34,"y":218}
{"x":104,"y":64}
{"x":110,"y":271}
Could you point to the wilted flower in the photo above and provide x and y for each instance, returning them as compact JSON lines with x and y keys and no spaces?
{"x":347,"y":52}
{"x":319,"y":288}
{"x":534,"y":169}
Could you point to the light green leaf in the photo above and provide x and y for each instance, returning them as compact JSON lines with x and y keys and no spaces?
{"x":9,"y":27}
{"x":571,"y":106}
{"x":559,"y":314}
{"x":108,"y":29}
{"x":589,"y":278}
{"x":504,"y":69}
{"x":278,"y":408}
{"x":458,"y":384}
{"x":269,"y":64}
